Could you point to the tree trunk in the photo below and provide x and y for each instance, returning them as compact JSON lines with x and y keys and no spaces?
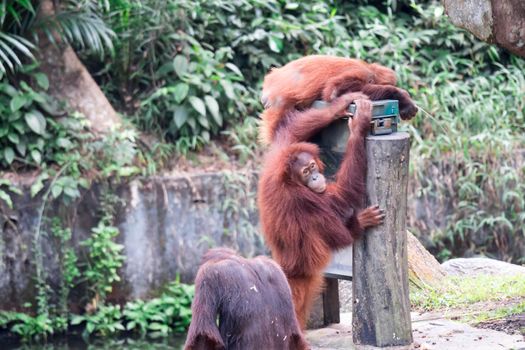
{"x":70,"y":81}
{"x":500,"y":22}
{"x":381,"y":314}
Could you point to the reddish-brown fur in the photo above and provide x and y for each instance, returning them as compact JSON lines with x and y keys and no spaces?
{"x":302,"y":227}
{"x":252,"y":301}
{"x":295,"y":86}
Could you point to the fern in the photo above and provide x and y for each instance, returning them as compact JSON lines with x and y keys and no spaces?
{"x":78,"y":23}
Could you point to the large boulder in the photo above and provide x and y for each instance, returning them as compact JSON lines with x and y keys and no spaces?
{"x":481,"y":266}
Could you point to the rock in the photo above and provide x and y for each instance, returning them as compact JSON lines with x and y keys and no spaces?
{"x":472,"y":15}
{"x":501,"y":22}
{"x":480,"y":266}
{"x":423,"y":268}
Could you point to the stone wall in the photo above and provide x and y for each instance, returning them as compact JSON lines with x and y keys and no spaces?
{"x":165,"y":223}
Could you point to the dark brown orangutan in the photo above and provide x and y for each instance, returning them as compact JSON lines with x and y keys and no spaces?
{"x":304,"y":219}
{"x":295,"y":86}
{"x":251,"y":301}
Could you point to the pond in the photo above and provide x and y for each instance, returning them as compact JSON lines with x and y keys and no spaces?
{"x":175,"y":342}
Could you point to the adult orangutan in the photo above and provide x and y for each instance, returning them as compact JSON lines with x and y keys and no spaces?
{"x":303,"y":218}
{"x":249,"y":299}
{"x":296,"y":85}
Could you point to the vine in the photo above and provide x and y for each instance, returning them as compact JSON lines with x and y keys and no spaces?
{"x":240,"y":209}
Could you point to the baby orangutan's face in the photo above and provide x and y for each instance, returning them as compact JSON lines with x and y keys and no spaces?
{"x":307,"y":170}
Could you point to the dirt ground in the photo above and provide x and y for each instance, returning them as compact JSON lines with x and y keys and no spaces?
{"x":514,"y":324}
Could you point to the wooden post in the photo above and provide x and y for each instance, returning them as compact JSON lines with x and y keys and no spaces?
{"x":331,"y":301}
{"x":381,"y":310}
{"x":325,"y":309}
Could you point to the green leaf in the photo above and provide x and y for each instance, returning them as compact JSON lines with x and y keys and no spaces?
{"x":165,"y":69}
{"x":72,"y":192}
{"x":41,"y":80}
{"x":56,"y":190}
{"x":291,"y":5}
{"x":234,"y":68}
{"x":37,"y":156}
{"x":192,"y":124}
{"x":213,"y":107}
{"x":180,"y":63}
{"x":52,"y":107}
{"x":438,"y":11}
{"x":18,"y":102}
{"x":228,"y":89}
{"x":127,"y":171}
{"x":26,"y":87}
{"x":206,"y":135}
{"x":36,"y":121}
{"x":37,"y":97}
{"x":180,"y":92}
{"x":6,"y":198}
{"x":204,"y":122}
{"x":76,"y":320}
{"x":180,"y":115}
{"x":9,"y":155}
{"x":37,"y":187}
{"x":21,"y":147}
{"x":156,"y":326}
{"x":14,"y":116}
{"x":64,"y":143}
{"x":39,"y":184}
{"x":19,"y":126}
{"x":83,"y":183}
{"x":13,"y":137}
{"x":15,"y":190}
{"x":275,"y":44}
{"x":40,"y":144}
{"x":9,"y":90}
{"x":198,"y":105}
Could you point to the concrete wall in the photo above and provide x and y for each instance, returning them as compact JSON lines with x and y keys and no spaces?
{"x":165,"y":223}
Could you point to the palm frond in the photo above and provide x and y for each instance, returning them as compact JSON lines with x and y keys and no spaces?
{"x":12,"y":47}
{"x":79,"y":24}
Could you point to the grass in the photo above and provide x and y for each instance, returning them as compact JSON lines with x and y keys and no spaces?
{"x":462,"y":292}
{"x":499,"y":313}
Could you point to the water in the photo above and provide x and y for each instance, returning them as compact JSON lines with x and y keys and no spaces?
{"x":77,"y":343}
